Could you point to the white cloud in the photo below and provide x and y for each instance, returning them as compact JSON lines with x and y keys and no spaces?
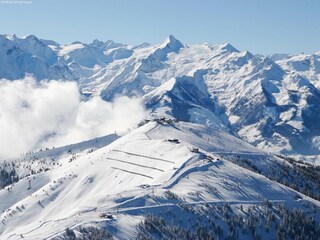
{"x":51,"y":113}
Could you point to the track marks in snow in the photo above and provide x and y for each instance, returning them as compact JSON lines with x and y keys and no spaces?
{"x":140,"y":174}
{"x":135,"y":164}
{"x":144,"y":156}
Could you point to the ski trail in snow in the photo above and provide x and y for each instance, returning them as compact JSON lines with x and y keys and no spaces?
{"x":140,"y":174}
{"x":135,"y":164}
{"x":144,"y":156}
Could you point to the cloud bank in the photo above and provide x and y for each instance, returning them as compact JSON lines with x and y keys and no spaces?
{"x":51,"y":113}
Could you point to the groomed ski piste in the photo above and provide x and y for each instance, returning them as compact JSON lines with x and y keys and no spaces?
{"x":114,"y":182}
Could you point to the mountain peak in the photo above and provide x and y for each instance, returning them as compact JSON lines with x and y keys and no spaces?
{"x":11,"y":36}
{"x":98,"y":44}
{"x":31,"y":37}
{"x":172,"y":42}
{"x":105,"y":45}
{"x":97,"y":41}
{"x":5,"y":41}
{"x":171,"y":38}
{"x":228,"y":47}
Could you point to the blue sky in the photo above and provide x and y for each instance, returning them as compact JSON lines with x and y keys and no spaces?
{"x":284,"y":26}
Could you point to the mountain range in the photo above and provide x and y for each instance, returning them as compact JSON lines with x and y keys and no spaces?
{"x":219,"y":157}
{"x":271,"y":102}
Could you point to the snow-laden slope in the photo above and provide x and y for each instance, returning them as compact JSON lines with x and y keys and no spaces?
{"x":255,"y":97}
{"x":306,"y":65}
{"x":271,"y":102}
{"x":144,"y":171}
{"x":187,"y":98}
{"x":28,"y":55}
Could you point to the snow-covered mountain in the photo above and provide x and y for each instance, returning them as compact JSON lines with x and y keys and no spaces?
{"x":255,"y":97}
{"x":28,"y":55}
{"x":116,"y":182}
{"x":271,"y":102}
{"x":208,"y":162}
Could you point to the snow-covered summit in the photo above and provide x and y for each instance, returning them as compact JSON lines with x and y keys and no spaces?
{"x":228,"y":47}
{"x":172,"y":43}
{"x":256,"y":97}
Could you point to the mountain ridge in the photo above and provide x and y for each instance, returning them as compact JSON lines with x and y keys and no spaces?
{"x":259,"y":98}
{"x":143,"y":172}
{"x":209,"y":161}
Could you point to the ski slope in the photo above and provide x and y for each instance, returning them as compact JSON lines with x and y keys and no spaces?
{"x":130,"y":176}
